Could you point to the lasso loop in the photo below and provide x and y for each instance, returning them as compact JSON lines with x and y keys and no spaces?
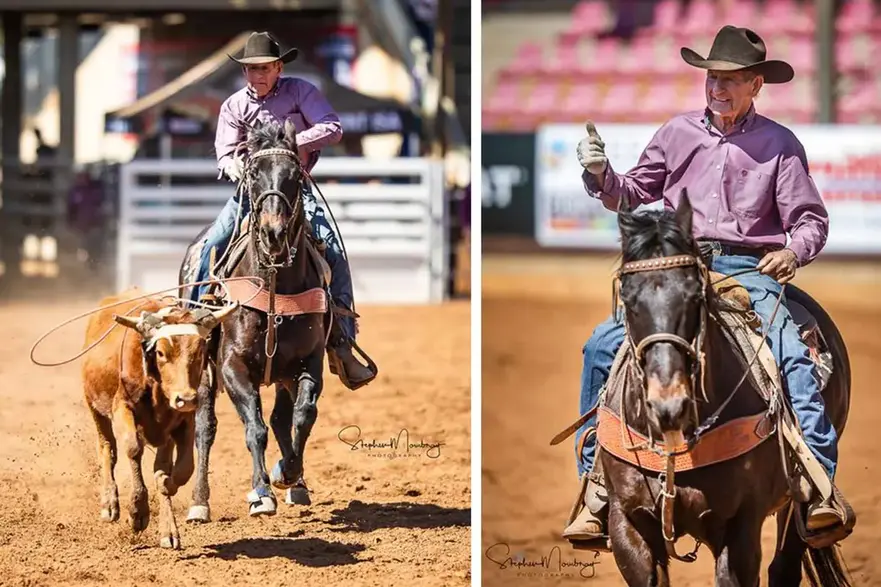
{"x":145,"y":297}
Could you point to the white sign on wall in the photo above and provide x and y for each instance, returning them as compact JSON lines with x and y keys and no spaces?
{"x":845,"y":163}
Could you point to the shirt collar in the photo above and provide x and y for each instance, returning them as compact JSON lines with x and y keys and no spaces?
{"x":741,"y":125}
{"x":271,"y":93}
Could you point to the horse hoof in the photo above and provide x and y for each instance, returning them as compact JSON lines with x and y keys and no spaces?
{"x":199,"y":514}
{"x":262,"y":505}
{"x":170,"y":542}
{"x":277,"y":479}
{"x":297,"y":496}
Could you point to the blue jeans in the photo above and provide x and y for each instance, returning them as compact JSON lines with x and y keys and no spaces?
{"x":790,"y":352}
{"x":221,"y":232}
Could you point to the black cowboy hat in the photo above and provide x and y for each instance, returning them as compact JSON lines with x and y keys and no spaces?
{"x":736,"y":49}
{"x":262,"y":48}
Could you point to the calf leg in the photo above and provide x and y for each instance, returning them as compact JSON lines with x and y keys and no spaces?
{"x":184,"y":464}
{"x":206,"y":429}
{"x":107,"y":459}
{"x":166,"y":486}
{"x":127,"y":432}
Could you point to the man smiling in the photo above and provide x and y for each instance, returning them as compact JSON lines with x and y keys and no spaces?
{"x":750,"y":186}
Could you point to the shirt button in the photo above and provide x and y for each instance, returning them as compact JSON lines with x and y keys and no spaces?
{"x":715,"y":195}
{"x":718,"y":167}
{"x":710,"y":221}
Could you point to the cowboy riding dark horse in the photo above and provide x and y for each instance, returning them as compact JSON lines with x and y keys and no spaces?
{"x":271,"y":97}
{"x":749,"y":186}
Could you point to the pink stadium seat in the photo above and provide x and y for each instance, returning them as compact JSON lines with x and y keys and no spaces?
{"x":788,"y":16}
{"x":858,"y":105}
{"x":589,"y":17}
{"x":505,"y":99}
{"x":602,"y":59}
{"x":582,"y":103}
{"x":740,"y":13}
{"x":542,"y":101}
{"x":667,"y":16}
{"x":527,"y":61}
{"x":856,"y":16}
{"x":847,"y":58}
{"x":661,"y":103}
{"x":565,"y":62}
{"x":621,"y":105}
{"x":702,"y":18}
{"x":801,"y":54}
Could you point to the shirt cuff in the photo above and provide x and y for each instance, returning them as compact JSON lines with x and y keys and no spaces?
{"x":797,"y":247}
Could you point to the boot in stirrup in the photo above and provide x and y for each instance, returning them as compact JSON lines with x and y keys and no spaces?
{"x":586,"y":527}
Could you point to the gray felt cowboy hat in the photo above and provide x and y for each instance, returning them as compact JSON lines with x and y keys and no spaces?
{"x":262,"y":48}
{"x":737,"y":49}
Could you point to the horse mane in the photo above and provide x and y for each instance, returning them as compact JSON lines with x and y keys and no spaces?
{"x":269,"y":135}
{"x":653,"y":233}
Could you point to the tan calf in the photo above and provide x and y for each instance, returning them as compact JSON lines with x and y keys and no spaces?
{"x":141,"y":385}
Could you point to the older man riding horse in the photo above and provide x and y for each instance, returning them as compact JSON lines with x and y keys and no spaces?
{"x":750,"y":186}
{"x":268,"y":138}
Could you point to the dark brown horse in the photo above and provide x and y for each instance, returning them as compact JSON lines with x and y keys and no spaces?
{"x":722,"y":505}
{"x":276,"y":252}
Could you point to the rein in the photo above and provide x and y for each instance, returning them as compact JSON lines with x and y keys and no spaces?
{"x":696,"y":351}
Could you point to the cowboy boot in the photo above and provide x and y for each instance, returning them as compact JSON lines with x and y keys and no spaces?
{"x":588,"y":528}
{"x":344,"y":364}
{"x":822,"y":514}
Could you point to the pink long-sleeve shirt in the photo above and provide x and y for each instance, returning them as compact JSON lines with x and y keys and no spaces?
{"x":748,"y":187}
{"x":316,"y":122}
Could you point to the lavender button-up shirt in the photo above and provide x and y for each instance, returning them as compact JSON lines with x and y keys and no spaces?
{"x":748,"y":187}
{"x":316,"y":122}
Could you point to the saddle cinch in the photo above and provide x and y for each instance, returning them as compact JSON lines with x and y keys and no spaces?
{"x":736,"y":437}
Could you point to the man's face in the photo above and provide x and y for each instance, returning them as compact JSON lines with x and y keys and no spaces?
{"x":730,"y":93}
{"x":262,"y":77}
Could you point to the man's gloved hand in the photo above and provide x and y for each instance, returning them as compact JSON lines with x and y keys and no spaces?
{"x":591,"y":153}
{"x":234,"y":169}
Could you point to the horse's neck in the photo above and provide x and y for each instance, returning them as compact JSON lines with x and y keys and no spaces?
{"x":725,"y":369}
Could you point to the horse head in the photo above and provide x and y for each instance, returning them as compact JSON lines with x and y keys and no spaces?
{"x":274,"y":181}
{"x":663,"y":288}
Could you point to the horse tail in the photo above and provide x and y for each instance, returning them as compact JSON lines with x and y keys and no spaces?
{"x":824,"y":567}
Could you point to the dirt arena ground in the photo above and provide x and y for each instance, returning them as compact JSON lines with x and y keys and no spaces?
{"x":537,"y":313}
{"x":375,"y":520}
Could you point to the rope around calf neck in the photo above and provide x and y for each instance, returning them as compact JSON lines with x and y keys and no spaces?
{"x":144,"y":297}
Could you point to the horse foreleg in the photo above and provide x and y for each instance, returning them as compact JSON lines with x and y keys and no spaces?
{"x":309,"y":388}
{"x":739,"y":561}
{"x":206,"y":430}
{"x":245,"y":396}
{"x":638,"y":549}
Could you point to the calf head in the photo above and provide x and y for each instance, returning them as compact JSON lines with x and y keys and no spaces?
{"x":173,"y":344}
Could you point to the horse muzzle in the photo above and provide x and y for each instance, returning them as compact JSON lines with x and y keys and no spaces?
{"x":669,"y":405}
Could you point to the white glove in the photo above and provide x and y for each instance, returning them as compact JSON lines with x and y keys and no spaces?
{"x":591,"y":154}
{"x":234,"y":169}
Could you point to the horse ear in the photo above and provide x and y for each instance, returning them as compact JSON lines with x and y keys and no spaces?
{"x":290,"y":133}
{"x":625,"y":220}
{"x":685,"y":213}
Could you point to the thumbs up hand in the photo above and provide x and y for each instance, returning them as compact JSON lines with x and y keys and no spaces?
{"x":591,"y":153}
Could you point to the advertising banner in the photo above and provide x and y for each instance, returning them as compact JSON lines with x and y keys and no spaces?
{"x":845,"y":163}
{"x":508,"y":184}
